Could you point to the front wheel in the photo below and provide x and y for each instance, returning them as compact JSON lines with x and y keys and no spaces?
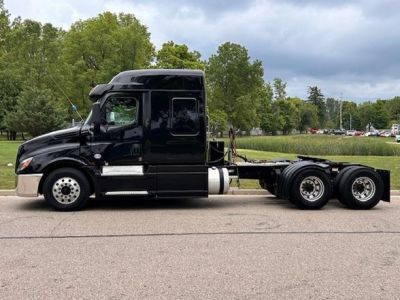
{"x":66,"y":189}
{"x":311,"y":189}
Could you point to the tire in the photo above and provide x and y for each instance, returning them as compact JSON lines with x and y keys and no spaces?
{"x":66,"y":189}
{"x":338,"y":182}
{"x":311,"y":189}
{"x":361,"y":188}
{"x":285,"y":179}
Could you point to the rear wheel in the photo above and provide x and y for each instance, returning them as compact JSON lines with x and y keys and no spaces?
{"x":66,"y":189}
{"x":311,"y":189}
{"x":338,"y":182}
{"x":361,"y":188}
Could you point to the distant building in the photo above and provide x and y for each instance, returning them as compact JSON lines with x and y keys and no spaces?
{"x":395,"y":129}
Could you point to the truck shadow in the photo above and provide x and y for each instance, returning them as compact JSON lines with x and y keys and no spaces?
{"x":138,"y":203}
{"x":143,"y":203}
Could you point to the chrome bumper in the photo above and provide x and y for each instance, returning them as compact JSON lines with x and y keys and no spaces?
{"x":28,"y":185}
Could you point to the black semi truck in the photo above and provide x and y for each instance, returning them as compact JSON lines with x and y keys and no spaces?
{"x":147,"y":136}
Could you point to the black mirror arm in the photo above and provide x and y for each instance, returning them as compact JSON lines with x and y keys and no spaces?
{"x":96,"y":117}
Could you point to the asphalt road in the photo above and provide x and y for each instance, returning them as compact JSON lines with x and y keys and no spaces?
{"x":231,"y":247}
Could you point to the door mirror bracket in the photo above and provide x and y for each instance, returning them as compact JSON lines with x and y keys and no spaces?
{"x":96,"y":117}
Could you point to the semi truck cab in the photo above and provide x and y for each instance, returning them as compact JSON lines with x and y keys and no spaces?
{"x":147,"y":136}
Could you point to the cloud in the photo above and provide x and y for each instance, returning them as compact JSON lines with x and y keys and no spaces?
{"x":343,"y":46}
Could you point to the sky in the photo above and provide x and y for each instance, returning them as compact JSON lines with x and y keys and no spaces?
{"x":348,"y":48}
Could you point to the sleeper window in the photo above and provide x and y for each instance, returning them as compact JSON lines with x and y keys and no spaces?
{"x":184,"y":116}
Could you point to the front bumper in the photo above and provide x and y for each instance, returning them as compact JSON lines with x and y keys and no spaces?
{"x":28,"y":185}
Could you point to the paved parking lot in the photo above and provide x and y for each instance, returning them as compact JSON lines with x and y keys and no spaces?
{"x":230,"y":247}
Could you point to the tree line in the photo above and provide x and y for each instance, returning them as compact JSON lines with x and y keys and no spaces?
{"x":46,"y":74}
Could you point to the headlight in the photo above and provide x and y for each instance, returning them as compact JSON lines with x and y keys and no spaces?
{"x":24,"y":164}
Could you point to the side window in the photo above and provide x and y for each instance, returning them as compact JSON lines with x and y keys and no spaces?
{"x":121,"y":111}
{"x":184,"y":116}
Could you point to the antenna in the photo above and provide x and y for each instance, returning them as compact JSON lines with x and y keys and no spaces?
{"x":74,"y":108}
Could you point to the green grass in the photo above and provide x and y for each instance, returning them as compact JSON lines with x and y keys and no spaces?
{"x":8,"y":152}
{"x":308,"y":144}
{"x":391,"y":163}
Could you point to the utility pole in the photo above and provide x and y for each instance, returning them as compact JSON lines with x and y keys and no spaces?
{"x":340,"y":111}
{"x":350,"y":121}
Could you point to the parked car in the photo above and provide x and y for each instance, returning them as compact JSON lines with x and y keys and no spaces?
{"x":385,"y":133}
{"x":359,"y":133}
{"x":397,"y":138}
{"x":351,"y":132}
{"x":339,"y":132}
{"x":372,"y":133}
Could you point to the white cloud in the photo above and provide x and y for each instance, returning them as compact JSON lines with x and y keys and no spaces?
{"x":341,"y":46}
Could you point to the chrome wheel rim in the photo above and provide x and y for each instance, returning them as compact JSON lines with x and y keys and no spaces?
{"x":66,"y":190}
{"x":312,"y":188}
{"x":363,"y":189}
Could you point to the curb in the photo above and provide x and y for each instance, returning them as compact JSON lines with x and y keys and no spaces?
{"x":8,"y":193}
{"x":236,"y":191}
{"x":232,"y":191}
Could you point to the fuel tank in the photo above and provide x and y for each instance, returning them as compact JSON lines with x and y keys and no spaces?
{"x":218,"y":181}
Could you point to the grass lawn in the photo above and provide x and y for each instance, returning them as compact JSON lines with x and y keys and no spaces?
{"x":8,"y":152}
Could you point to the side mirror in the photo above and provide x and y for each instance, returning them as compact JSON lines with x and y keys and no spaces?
{"x":96,"y":117}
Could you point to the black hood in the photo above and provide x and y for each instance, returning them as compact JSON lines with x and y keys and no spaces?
{"x":44,"y":142}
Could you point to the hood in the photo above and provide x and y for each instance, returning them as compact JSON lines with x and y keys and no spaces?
{"x":45,"y":141}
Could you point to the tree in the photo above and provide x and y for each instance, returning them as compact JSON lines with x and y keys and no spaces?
{"x":265,"y":110}
{"x":218,"y":122}
{"x":36,"y":112}
{"x":376,"y":113}
{"x":30,"y":54}
{"x":99,"y":48}
{"x":176,"y":56}
{"x":280,"y":114}
{"x":234,"y":84}
{"x":316,"y":97}
{"x":350,"y":116}
{"x":393,"y":106}
{"x":332,"y":110}
{"x":10,"y":88}
{"x":273,"y":121}
{"x":289,"y":110}
{"x":7,"y":90}
{"x":4,"y":27}
{"x":34,"y":52}
{"x":308,"y":116}
{"x":279,"y":89}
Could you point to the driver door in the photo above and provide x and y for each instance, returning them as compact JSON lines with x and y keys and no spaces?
{"x":120,"y":139}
